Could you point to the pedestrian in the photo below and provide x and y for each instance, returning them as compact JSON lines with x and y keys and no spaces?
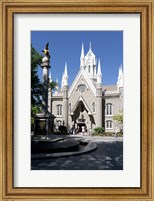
{"x":73,"y":131}
{"x":83,"y":130}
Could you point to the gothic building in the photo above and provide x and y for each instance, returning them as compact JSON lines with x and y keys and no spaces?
{"x":86,"y":102}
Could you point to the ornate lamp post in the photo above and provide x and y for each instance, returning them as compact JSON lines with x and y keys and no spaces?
{"x":45,"y":66}
{"x":44,"y":121}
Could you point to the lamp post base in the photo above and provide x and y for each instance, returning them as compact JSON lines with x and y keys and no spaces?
{"x":44,"y":124}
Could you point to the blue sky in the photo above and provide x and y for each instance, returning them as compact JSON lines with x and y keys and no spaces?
{"x":65,"y":46}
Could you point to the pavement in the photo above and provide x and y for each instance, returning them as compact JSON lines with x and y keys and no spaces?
{"x":107,"y":156}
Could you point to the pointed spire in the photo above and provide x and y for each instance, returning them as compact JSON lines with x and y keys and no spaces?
{"x":65,"y":71}
{"x":120,"y":78}
{"x":65,"y":76}
{"x":82,"y":59}
{"x":90,"y":46}
{"x":82,"y":51}
{"x":99,"y":68}
{"x":99,"y":73}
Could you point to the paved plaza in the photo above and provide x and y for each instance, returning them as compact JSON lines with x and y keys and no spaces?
{"x":107,"y":156}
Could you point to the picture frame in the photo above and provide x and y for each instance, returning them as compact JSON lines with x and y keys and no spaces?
{"x":8,"y":10}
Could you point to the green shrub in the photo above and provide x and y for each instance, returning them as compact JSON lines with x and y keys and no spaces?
{"x":99,"y":130}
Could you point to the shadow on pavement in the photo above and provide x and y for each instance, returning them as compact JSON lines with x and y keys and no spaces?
{"x":108,"y":156}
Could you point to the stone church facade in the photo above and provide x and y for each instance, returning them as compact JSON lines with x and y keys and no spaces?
{"x":87,"y":103}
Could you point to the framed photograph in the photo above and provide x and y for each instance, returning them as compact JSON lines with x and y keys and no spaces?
{"x":76,"y":100}
{"x":83,"y":120}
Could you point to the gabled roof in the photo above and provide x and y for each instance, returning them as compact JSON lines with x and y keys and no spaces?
{"x":84,"y":102}
{"x":90,"y":84}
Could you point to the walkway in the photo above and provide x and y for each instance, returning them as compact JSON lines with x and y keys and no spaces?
{"x":108,"y":156}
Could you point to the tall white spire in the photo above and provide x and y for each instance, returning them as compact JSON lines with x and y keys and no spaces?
{"x":82,"y":59}
{"x":65,"y":71}
{"x":99,"y":68}
{"x":82,"y":51}
{"x":120,"y":71}
{"x":90,"y":46}
{"x":120,"y":78}
{"x":65,"y":77}
{"x":99,"y":73}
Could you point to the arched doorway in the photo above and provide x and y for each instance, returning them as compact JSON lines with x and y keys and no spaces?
{"x":80,"y":116}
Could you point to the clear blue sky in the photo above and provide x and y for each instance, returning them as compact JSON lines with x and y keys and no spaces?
{"x":65,"y":46}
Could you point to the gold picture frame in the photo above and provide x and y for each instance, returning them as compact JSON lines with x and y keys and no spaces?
{"x":10,"y":7}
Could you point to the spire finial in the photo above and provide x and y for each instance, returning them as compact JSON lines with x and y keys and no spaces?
{"x":82,"y":59}
{"x":65,"y":77}
{"x":90,"y":46}
{"x":82,"y":51}
{"x":65,"y":71}
{"x":99,"y":73}
{"x":120,"y":78}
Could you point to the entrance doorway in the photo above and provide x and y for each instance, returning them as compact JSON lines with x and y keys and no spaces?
{"x":79,"y":126}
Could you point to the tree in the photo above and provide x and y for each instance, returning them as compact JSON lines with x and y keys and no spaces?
{"x":53,"y":85}
{"x":119,"y":120}
{"x":36,"y":85}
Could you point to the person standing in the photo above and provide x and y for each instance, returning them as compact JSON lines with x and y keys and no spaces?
{"x":83,"y":130}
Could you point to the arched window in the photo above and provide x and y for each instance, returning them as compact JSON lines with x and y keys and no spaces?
{"x":59,"y":109}
{"x":109,"y":108}
{"x":109,"y":124}
{"x":89,"y":69}
{"x":93,"y":107}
